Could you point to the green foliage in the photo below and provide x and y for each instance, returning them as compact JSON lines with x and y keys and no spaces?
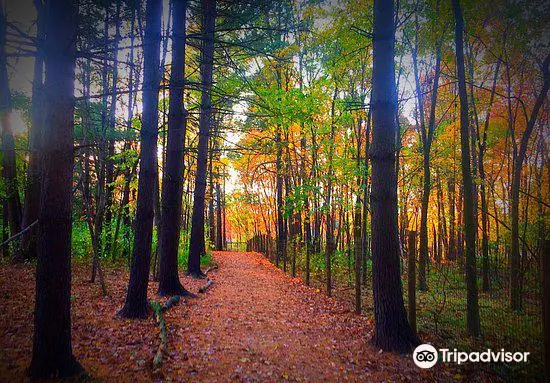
{"x":183,"y":251}
{"x":81,"y":242}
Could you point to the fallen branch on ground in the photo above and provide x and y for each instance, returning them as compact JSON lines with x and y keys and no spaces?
{"x":211,"y":268}
{"x":170,"y":302}
{"x":206,"y":286}
{"x":158,"y":311}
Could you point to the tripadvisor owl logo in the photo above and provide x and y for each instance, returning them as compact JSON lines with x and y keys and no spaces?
{"x":426,"y":356}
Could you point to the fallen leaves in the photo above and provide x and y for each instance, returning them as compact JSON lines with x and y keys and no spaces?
{"x":257,"y":324}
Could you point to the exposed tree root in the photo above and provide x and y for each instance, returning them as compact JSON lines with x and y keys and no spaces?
{"x":158,"y":311}
{"x":206,"y":286}
{"x":213,"y":267}
{"x":197,"y":275}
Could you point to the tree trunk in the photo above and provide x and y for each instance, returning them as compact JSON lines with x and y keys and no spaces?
{"x":411,"y":278}
{"x":358,"y":245}
{"x":136,"y":305}
{"x":52,"y":351}
{"x":110,"y":170}
{"x":224,"y":219}
{"x":8,"y":145}
{"x":472,"y":317}
{"x":172,"y":184}
{"x":32,"y":192}
{"x":196,"y":244}
{"x":219,"y":222}
{"x":392,"y":330}
{"x":482,"y":143}
{"x":330,"y":247}
{"x":424,"y":257}
{"x":515,"y":272}
{"x":426,"y":140}
{"x":281,"y":229}
{"x":442,"y":220}
{"x":99,"y":216}
{"x":451,"y":254}
{"x":364,"y":229}
{"x":211,"y":226}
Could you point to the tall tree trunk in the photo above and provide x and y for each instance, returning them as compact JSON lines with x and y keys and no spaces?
{"x":358,"y":245}
{"x":32,"y":192}
{"x":123,"y":212}
{"x":307,"y":213}
{"x":392,"y":330}
{"x":211,"y":227}
{"x":329,"y":235}
{"x":224,"y":219}
{"x":196,"y":244}
{"x":8,"y":143}
{"x":442,"y":220}
{"x":109,"y":166}
{"x":157,"y":211}
{"x":482,"y":144}
{"x":281,"y":228}
{"x":172,"y":182}
{"x":365,"y":222}
{"x":96,"y":230}
{"x":472,"y":316}
{"x":136,"y":305}
{"x":426,"y":140}
{"x":515,"y":272}
{"x":451,"y":254}
{"x":52,"y":351}
{"x":460,"y":224}
{"x":219,"y":221}
{"x":423,"y":256}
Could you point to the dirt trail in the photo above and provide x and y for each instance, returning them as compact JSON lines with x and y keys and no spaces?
{"x":257,"y":324}
{"x":254,"y":325}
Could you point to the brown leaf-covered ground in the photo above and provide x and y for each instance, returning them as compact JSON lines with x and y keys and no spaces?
{"x":254,"y":325}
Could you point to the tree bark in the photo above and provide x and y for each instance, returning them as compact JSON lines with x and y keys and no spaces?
{"x":32,"y":192}
{"x":472,"y":317}
{"x":172,"y":182}
{"x":196,"y":244}
{"x":365,"y":222}
{"x":426,"y":140}
{"x":8,"y":143}
{"x":211,"y":225}
{"x":451,"y":254}
{"x":52,"y":351}
{"x":515,"y":272}
{"x":110,"y":166}
{"x":358,"y":245}
{"x":136,"y":305}
{"x":329,"y":234}
{"x":281,"y":227}
{"x":392,"y":330}
{"x":219,"y":221}
{"x":411,"y":277}
{"x":482,"y":143}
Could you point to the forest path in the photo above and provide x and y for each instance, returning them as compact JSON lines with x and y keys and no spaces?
{"x":257,"y":324}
